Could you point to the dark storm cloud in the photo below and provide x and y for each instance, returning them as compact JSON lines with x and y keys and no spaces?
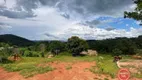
{"x":49,"y":2}
{"x":110,"y":28}
{"x":22,"y":9}
{"x":83,"y":7}
{"x":51,"y":36}
{"x":27,"y":5}
{"x":66,"y":16}
{"x":1,"y":23}
{"x":93,"y":23}
{"x":16,"y":14}
{"x":95,"y":7}
{"x":2,"y":7}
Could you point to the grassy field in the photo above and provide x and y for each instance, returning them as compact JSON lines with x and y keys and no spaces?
{"x":105,"y":65}
{"x":28,"y":66}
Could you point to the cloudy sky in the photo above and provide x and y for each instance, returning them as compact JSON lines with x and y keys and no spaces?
{"x":61,"y":19}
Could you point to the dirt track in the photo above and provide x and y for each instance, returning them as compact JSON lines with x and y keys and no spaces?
{"x":63,"y":71}
{"x":76,"y":71}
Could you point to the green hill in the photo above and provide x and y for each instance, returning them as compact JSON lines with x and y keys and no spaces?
{"x":15,"y":40}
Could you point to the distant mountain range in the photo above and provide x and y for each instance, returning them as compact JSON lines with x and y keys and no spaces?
{"x":15,"y":40}
{"x":20,"y":41}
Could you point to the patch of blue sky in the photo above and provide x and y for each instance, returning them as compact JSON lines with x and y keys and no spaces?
{"x":118,"y":23}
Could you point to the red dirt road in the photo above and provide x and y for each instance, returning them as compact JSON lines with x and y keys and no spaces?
{"x":79,"y":71}
{"x":63,"y":71}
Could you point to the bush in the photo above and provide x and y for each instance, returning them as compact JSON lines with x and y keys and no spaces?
{"x":65,"y":54}
{"x":31,"y":54}
{"x":4,"y":54}
{"x":27,"y":53}
{"x":4,"y":60}
{"x":22,"y":51}
{"x":42,"y":54}
{"x":139,"y":52}
{"x":56,"y":47}
{"x":116,"y":52}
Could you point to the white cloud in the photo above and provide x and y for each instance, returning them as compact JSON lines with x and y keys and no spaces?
{"x":49,"y":21}
{"x":2,"y":2}
{"x":8,"y":3}
{"x":127,"y":25}
{"x":5,"y":26}
{"x":86,"y":32}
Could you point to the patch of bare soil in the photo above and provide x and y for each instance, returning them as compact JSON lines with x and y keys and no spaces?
{"x":70,"y":71}
{"x":4,"y":75}
{"x":63,"y":71}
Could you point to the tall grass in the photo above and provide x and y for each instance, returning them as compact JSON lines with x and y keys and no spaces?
{"x":27,"y":67}
{"x":105,"y":65}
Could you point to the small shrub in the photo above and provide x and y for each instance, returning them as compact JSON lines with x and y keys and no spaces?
{"x":68,"y":67}
{"x":32,"y":54}
{"x":106,"y":79}
{"x":64,"y":54}
{"x":105,"y":66}
{"x":112,"y":75}
{"x":116,"y":52}
{"x":139,"y":52}
{"x":35,"y":70}
{"x":4,"y":60}
{"x":42,"y":54}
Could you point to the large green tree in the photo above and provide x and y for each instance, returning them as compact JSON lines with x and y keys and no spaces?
{"x":76,"y":45}
{"x":137,"y":13}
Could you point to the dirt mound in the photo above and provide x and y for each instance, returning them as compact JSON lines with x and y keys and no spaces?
{"x":90,"y":53}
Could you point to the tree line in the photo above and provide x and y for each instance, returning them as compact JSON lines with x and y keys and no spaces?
{"x":75,"y":45}
{"x":117,"y":46}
